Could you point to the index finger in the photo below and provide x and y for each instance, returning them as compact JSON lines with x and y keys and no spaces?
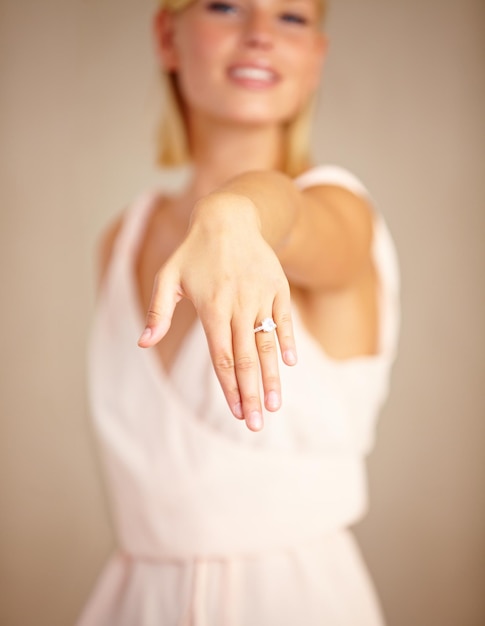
{"x":165,"y":296}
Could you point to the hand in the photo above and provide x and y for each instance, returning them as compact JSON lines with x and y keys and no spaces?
{"x":234,"y":280}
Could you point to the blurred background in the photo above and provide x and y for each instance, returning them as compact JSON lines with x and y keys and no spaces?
{"x":402,"y":106}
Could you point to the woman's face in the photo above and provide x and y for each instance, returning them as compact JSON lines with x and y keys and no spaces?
{"x":248,"y":61}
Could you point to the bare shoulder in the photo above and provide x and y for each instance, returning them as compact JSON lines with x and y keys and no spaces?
{"x":344,"y":316}
{"x":354,"y":211}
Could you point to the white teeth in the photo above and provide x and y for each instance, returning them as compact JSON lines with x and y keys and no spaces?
{"x":253,"y":73}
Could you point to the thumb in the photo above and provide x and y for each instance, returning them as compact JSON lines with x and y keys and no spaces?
{"x":165,"y":297}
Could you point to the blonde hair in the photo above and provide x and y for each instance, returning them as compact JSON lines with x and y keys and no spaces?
{"x":173,"y":144}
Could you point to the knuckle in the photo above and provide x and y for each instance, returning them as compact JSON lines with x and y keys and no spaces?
{"x":272,"y":381}
{"x":245,"y":363}
{"x":285,"y":319}
{"x":266,"y":346}
{"x":250,"y":400}
{"x":224,"y":363}
{"x":153,"y":316}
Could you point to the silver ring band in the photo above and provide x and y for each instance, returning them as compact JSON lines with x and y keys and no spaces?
{"x":267,"y":325}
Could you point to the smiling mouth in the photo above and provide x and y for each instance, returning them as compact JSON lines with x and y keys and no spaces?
{"x":256,"y":76}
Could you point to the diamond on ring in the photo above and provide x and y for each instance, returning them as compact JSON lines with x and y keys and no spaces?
{"x":267,"y":325}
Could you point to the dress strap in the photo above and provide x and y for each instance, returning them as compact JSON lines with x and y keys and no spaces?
{"x":331,"y":175}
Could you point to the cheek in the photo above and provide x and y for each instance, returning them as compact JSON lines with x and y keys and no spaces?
{"x":203,"y":57}
{"x":306,"y":67}
{"x":194,"y":62}
{"x":200,"y":47}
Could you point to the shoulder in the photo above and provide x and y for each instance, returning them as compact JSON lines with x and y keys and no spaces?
{"x":344,"y":193}
{"x":350,"y":217}
{"x":339,"y":189}
{"x":355,"y":212}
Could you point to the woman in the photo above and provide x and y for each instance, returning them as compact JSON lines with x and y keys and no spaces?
{"x":220,"y":524}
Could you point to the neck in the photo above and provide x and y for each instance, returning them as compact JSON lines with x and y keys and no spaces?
{"x":224,"y":150}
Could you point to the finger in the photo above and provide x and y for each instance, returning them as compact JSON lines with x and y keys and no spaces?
{"x":165,"y":296}
{"x":284,"y":329}
{"x":219,"y":339}
{"x":268,"y":359}
{"x":246,"y":363}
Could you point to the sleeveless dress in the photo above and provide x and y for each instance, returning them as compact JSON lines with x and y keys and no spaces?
{"x":216,"y":525}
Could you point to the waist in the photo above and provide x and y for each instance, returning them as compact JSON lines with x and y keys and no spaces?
{"x":236,"y":511}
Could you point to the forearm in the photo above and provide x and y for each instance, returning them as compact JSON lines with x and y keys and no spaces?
{"x":274,"y":198}
{"x":266,"y":200}
{"x":321,"y":236}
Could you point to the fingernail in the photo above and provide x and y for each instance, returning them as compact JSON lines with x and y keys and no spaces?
{"x":273,"y":400}
{"x":238,"y":412}
{"x":146,"y":334}
{"x":290,"y":357}
{"x":255,"y":420}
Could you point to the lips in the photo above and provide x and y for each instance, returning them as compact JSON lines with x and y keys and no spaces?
{"x":253,"y":76}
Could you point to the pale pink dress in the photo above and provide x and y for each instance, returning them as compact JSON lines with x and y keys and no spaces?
{"x":216,"y":525}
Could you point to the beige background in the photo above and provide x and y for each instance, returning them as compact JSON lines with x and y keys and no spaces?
{"x":402,"y":106}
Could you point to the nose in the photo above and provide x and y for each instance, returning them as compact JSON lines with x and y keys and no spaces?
{"x":259,"y":31}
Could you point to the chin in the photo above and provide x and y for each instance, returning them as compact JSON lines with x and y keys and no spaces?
{"x":259,"y":115}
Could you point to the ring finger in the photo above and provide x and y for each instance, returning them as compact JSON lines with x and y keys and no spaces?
{"x":268,"y":358}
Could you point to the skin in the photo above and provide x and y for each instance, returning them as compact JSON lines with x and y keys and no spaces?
{"x":231,"y":246}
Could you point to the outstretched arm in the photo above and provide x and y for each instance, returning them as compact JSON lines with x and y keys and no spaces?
{"x":244,"y":241}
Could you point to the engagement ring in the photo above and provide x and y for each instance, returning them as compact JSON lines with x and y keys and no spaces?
{"x":267,"y":325}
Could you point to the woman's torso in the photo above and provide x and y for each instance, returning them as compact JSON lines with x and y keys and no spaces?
{"x":169,"y":440}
